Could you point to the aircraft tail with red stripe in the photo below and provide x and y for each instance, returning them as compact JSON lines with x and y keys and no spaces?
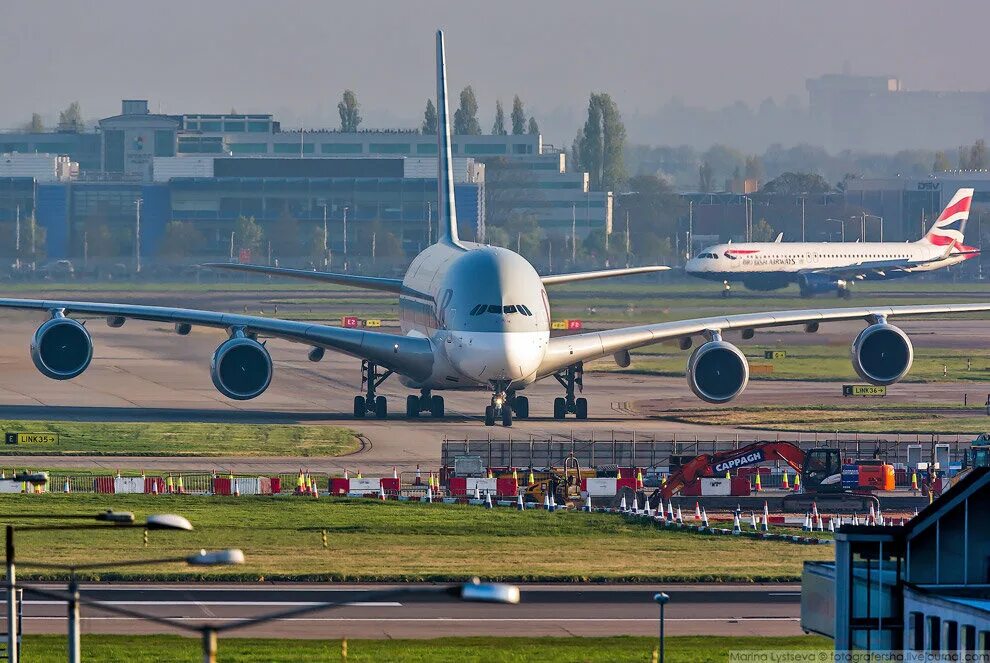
{"x":949,"y":229}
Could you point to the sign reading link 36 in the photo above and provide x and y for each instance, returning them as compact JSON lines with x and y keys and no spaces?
{"x":31,"y":438}
{"x":739,"y":461}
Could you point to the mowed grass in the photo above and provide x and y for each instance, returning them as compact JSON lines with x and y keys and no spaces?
{"x":820,"y":363}
{"x":899,"y":418}
{"x":679,"y":649}
{"x":383,"y":541}
{"x":181,"y":439}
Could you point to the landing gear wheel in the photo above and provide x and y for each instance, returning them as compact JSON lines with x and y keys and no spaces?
{"x":412,"y":406}
{"x":381,"y":407}
{"x":360,"y":407}
{"x":436,"y":407}
{"x":845,"y":293}
{"x":490,"y":415}
{"x":506,"y":416}
{"x":559,"y":408}
{"x":520,"y":405}
{"x":581,"y":408}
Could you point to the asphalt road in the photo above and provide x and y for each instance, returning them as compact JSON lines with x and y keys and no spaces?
{"x":370,"y":611}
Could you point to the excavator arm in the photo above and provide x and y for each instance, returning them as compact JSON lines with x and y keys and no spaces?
{"x":717,"y":464}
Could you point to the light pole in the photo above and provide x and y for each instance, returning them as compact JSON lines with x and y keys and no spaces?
{"x":802,"y":218}
{"x":661,"y":599}
{"x":842,"y":223}
{"x":690,"y":237}
{"x":326,"y":239}
{"x":747,"y":207}
{"x":137,"y":235}
{"x":345,"y":237}
{"x":873,"y":216}
{"x":108,"y":519}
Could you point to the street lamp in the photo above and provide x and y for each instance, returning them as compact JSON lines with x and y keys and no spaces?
{"x":473,"y":590}
{"x":842,"y":223}
{"x":345,"y":237}
{"x":104,"y":520}
{"x":661,"y":599}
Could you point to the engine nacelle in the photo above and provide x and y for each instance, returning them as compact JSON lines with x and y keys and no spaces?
{"x":717,"y":372}
{"x":882,"y":354}
{"x":816,"y":284}
{"x":61,"y":348}
{"x":241,"y":368}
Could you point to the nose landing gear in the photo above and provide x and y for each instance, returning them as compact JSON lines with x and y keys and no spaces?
{"x":501,"y":407}
{"x":369,"y":403}
{"x":569,"y":378}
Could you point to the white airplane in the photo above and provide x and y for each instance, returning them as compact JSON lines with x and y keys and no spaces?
{"x":472,"y":317}
{"x":819,"y":267}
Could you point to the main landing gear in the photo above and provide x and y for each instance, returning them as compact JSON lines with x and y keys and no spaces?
{"x":726,"y":289}
{"x":424,"y":403}
{"x":371,"y":404}
{"x":569,"y":378}
{"x":505,"y":403}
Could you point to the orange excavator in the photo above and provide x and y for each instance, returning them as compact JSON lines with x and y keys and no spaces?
{"x":820,"y":470}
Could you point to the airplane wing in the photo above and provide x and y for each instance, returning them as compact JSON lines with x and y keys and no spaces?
{"x":564,"y":351}
{"x":409,"y":355}
{"x":557,"y":279}
{"x":367,"y":282}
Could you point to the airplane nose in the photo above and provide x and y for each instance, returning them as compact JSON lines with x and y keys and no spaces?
{"x":498,"y":356}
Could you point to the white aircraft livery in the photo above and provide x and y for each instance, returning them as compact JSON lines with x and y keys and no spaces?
{"x":472,"y":317}
{"x":819,"y":267}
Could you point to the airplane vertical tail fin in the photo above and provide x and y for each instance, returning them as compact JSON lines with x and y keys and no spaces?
{"x":948,"y":230}
{"x":447,"y":211}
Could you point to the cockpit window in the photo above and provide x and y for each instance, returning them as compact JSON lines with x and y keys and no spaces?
{"x":508,"y":309}
{"x":707,"y":256}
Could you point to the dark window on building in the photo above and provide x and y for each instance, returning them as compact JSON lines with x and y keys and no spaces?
{"x":934,"y":625}
{"x":113,"y":151}
{"x":951,"y":636}
{"x":234,"y":127}
{"x":916,"y":622}
{"x":164,"y":143}
{"x":259,"y":127}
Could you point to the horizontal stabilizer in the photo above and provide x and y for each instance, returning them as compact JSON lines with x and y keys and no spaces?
{"x":366,"y":282}
{"x":557,"y":279}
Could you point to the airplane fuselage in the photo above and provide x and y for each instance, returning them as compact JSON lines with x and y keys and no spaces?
{"x":485,"y":311}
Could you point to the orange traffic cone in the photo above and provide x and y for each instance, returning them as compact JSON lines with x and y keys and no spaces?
{"x":759,"y":486}
{"x":785,"y":484}
{"x":639,"y":478}
{"x":797,"y":482}
{"x":182,"y":489}
{"x":914,"y":482}
{"x":697,"y":511}
{"x":316,"y":491}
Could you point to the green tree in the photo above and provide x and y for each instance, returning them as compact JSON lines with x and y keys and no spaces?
{"x":763,"y":231}
{"x":964,"y":158}
{"x":466,"y":116}
{"x":430,"y":118}
{"x":350,"y":112}
{"x":797,"y":183}
{"x":754,"y":169}
{"x":941,"y":163}
{"x":498,"y":127}
{"x":534,"y":128}
{"x":706,"y":177}
{"x":247,"y":233}
{"x":654,"y":210}
{"x":978,"y":157}
{"x":602,"y":143}
{"x":518,"y":117}
{"x":71,"y":118}
{"x":35,"y":126}
{"x":181,"y":240}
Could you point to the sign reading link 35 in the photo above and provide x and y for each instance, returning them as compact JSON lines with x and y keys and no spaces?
{"x":31,"y":438}
{"x":739,"y":461}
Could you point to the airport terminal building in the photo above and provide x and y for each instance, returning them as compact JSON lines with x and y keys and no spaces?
{"x":210,"y":169}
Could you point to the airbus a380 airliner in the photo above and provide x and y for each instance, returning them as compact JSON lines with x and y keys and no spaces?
{"x":472,"y":317}
{"x":831,"y":267}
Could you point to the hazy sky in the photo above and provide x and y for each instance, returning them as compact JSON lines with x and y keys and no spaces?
{"x":294,"y":58}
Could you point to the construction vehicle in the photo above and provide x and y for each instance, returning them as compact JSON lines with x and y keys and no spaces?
{"x":564,"y":483}
{"x":980,"y":451}
{"x":821,"y":472}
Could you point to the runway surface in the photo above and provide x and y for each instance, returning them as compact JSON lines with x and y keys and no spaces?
{"x":369,"y":611}
{"x":143,"y":372}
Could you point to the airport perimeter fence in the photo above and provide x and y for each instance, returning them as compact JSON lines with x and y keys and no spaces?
{"x":620,"y":449}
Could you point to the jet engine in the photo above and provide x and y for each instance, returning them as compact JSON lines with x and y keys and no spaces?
{"x":818,"y":284}
{"x":882,"y":354}
{"x":241,"y":368}
{"x":61,"y":348}
{"x":717,"y":371}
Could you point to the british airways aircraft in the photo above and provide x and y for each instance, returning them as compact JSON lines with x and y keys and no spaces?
{"x":819,"y":267}
{"x":472,"y":317}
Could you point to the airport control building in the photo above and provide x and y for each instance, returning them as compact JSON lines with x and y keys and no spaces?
{"x":210,"y":169}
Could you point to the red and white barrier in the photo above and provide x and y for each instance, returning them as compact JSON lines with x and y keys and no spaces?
{"x":365,"y":486}
{"x":606,"y":486}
